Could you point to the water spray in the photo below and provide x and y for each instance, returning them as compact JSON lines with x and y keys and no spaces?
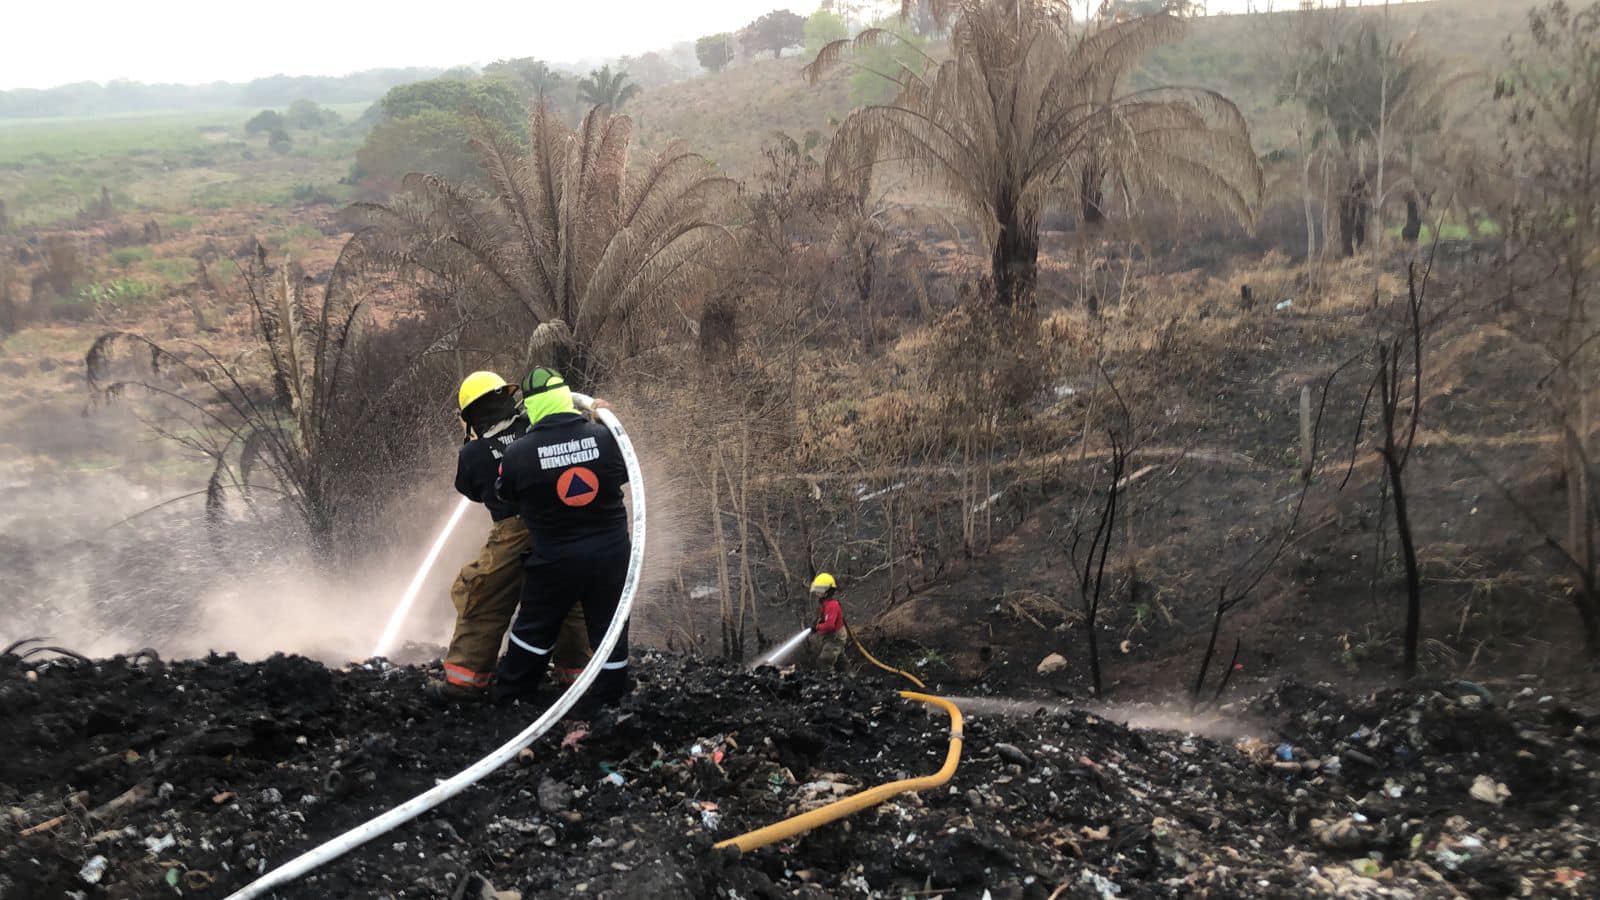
{"x":777,"y":654}
{"x":469,"y":776}
{"x":398,"y":617}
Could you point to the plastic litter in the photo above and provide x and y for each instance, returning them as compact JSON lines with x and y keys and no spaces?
{"x":93,"y":870}
{"x":1486,"y":790}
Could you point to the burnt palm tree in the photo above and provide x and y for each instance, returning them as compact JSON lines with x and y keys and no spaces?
{"x":572,"y":246}
{"x":1026,"y":111}
{"x":299,"y":417}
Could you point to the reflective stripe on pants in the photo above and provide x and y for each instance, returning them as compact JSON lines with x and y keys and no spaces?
{"x":551,"y":589}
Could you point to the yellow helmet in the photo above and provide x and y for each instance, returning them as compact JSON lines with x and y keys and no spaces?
{"x":823,"y":581}
{"x":476,"y":385}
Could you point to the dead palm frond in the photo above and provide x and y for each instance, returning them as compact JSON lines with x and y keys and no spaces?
{"x":569,"y":235}
{"x":1025,"y":111}
{"x":292,"y":416}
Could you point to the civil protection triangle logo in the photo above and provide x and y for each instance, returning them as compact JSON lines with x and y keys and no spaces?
{"x":578,"y":486}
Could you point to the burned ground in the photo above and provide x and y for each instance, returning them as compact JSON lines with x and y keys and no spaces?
{"x":136,"y":778}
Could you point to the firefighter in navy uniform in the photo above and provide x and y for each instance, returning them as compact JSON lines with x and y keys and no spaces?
{"x":565,"y":478}
{"x":486,"y":590}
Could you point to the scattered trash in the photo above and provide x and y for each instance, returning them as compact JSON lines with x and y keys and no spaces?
{"x":1284,"y":304}
{"x":1566,"y":876}
{"x":1487,"y":790}
{"x":554,"y":796}
{"x":1339,"y":834}
{"x":574,"y":737}
{"x":94,"y":869}
{"x":1052,"y":664}
{"x":1371,"y":800}
{"x":1104,"y":886}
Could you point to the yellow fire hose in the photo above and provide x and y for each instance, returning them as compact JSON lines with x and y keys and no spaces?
{"x":874,"y":660}
{"x":839,"y":809}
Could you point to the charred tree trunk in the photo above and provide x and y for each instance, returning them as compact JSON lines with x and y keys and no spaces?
{"x":1353,"y":218}
{"x":1092,"y":195}
{"x":1587,"y":601}
{"x":1211,"y":645}
{"x":1014,"y":261}
{"x":719,"y":330}
{"x":1408,"y":556}
{"x":1413,"y":226}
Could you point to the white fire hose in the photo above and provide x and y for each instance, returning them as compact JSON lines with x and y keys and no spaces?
{"x":459,"y":782}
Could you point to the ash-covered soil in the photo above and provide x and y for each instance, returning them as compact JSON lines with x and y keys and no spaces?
{"x":136,"y":778}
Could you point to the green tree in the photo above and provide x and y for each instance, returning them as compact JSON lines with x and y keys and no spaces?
{"x":1376,"y":101}
{"x":265,"y":122}
{"x":531,"y":78}
{"x":494,"y":99}
{"x":715,"y":51}
{"x":776,"y":31}
{"x":425,"y":127}
{"x":431,"y":141}
{"x":823,"y":28}
{"x":603,"y":87}
{"x":877,"y":66}
{"x":305,"y":114}
{"x":280,"y":141}
{"x":1026,"y":111}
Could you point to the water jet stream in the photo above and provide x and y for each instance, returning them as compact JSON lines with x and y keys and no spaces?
{"x":776,"y":655}
{"x":398,"y":617}
{"x":459,"y":782}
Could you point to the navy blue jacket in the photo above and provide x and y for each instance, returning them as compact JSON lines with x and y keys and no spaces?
{"x":565,"y":478}
{"x":478,"y":465}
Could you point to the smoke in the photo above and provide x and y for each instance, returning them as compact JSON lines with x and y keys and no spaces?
{"x":1139,"y":716}
{"x":76,"y":568}
{"x":72,"y":570}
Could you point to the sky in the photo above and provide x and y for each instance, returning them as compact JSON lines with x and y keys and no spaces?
{"x":50,"y":42}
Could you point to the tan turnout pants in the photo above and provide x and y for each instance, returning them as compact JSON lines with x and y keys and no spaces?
{"x":485,"y":596}
{"x":828,"y":650}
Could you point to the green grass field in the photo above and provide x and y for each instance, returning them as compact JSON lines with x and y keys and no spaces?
{"x":163,"y":163}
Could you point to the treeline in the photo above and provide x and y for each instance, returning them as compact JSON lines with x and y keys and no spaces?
{"x":91,"y":98}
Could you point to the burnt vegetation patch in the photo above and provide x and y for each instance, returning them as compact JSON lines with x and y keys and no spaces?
{"x":196,"y":774}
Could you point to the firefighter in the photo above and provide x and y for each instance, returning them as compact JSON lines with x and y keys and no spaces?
{"x":485,"y":592}
{"x":828,"y":634}
{"x":564,"y":478}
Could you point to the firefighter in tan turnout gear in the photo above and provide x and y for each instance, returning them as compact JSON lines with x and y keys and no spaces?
{"x":485,"y":593}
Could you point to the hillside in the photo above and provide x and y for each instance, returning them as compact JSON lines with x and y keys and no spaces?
{"x":728,"y":115}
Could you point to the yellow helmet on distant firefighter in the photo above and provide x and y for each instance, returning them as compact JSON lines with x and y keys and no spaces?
{"x":474,"y":386}
{"x":823,"y":582}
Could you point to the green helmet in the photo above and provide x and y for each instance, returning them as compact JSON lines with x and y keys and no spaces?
{"x":545,"y":393}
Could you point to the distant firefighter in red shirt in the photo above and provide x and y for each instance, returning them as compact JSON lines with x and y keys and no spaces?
{"x":828,"y":634}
